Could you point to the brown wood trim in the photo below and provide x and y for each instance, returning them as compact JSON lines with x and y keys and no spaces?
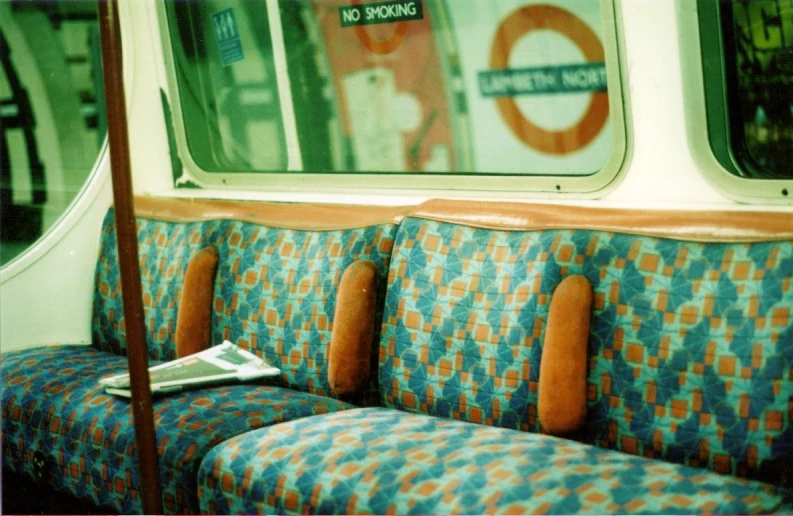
{"x":698,"y":226}
{"x":690,"y":225}
{"x":308,"y":216}
{"x":137,"y":356}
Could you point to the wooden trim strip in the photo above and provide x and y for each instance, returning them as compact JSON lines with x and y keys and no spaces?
{"x":137,"y":357}
{"x":308,"y":217}
{"x":694,"y":226}
{"x":688,"y":225}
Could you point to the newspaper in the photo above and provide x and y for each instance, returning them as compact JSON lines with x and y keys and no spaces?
{"x":226,"y":363}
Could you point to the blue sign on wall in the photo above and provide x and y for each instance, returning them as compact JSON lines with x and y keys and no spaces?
{"x":228,"y":35}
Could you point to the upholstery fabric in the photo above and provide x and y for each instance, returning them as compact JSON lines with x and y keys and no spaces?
{"x":463,"y":323}
{"x":276,"y":292}
{"x":165,"y":251}
{"x":382,"y":461}
{"x":54,"y":408}
{"x":690,"y":352}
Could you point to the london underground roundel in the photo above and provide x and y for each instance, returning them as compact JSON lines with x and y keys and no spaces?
{"x":505,"y":83}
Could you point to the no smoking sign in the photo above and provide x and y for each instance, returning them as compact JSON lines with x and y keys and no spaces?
{"x":399,"y":12}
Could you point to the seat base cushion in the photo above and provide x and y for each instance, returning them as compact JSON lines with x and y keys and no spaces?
{"x":61,"y":429}
{"x":381,"y":461}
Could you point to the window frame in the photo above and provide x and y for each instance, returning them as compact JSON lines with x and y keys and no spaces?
{"x":580,"y":186}
{"x":710,"y":109}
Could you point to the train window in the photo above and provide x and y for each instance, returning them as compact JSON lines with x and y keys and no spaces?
{"x":750,"y":88}
{"x":51,"y":113}
{"x":506,"y":88}
{"x":233,"y":113}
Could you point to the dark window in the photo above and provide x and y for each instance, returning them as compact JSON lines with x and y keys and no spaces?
{"x":749,"y":82}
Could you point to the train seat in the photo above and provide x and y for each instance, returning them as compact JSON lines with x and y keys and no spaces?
{"x":691,"y":343}
{"x":678,"y":298}
{"x":383,"y":461}
{"x":62,"y":430}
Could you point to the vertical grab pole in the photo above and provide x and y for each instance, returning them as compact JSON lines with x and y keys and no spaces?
{"x":115,"y":101}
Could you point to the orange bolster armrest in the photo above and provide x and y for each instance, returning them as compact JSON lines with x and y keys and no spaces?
{"x":563,"y":369}
{"x":193,"y":324}
{"x":349,"y":358}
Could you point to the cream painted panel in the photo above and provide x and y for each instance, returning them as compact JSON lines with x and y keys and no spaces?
{"x":150,"y":160}
{"x":46,"y":294}
{"x":662,"y":168}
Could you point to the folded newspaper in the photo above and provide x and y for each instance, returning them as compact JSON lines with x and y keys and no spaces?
{"x":225,"y":363}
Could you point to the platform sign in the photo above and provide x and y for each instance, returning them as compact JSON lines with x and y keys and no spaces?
{"x":535,"y":79}
{"x":228,"y":37}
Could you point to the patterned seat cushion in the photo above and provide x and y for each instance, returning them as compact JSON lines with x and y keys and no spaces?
{"x":53,"y":410}
{"x":165,"y":250}
{"x":276,"y":291}
{"x":690,"y":352}
{"x":463,"y":321}
{"x":376,"y":460}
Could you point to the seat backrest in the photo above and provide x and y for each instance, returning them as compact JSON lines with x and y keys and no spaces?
{"x":276,"y":292}
{"x":463,"y":322}
{"x":165,"y":248}
{"x":278,"y":272}
{"x":691,"y":348}
{"x":691,"y":345}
